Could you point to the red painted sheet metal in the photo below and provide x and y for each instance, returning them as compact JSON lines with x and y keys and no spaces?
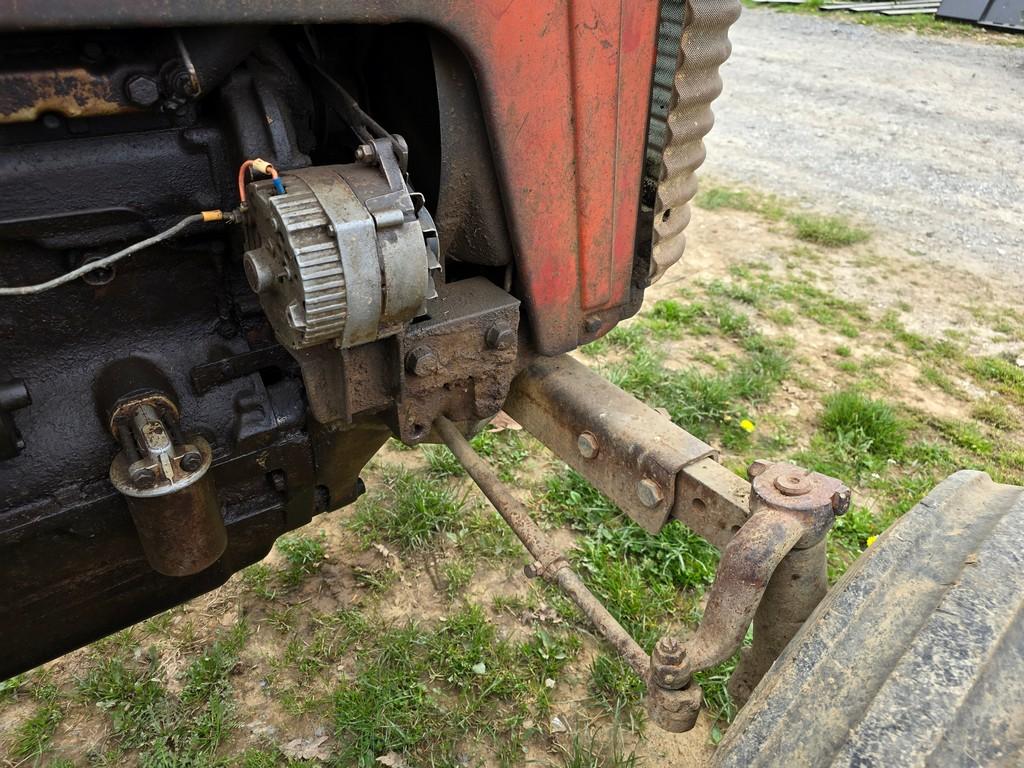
{"x":566,"y":86}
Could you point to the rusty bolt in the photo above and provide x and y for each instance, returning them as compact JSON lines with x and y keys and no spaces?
{"x":592,"y":324}
{"x":756,"y":468}
{"x":534,"y":569}
{"x":500,"y":336}
{"x":143,"y":477}
{"x":588,"y":445}
{"x":191,"y":461}
{"x":670,"y":651}
{"x":649,"y":493}
{"x":366,"y":153}
{"x":841,"y":501}
{"x":421,"y":361}
{"x":142,"y":90}
{"x":792,"y":484}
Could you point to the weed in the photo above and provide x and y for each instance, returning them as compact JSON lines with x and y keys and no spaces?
{"x":409,"y":510}
{"x":1007,"y":377}
{"x":616,"y":687}
{"x":304,"y":555}
{"x":588,"y":749}
{"x":843,"y":351}
{"x":995,"y":413}
{"x":831,"y":231}
{"x":258,"y":578}
{"x":938,"y":379}
{"x":634,"y":573}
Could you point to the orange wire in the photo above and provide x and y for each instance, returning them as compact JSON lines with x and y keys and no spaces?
{"x":241,"y":180}
{"x":241,"y":177}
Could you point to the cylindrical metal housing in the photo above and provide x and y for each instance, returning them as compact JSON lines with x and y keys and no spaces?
{"x":179,"y":523}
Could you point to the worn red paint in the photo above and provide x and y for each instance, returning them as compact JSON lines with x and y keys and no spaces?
{"x":566,"y":86}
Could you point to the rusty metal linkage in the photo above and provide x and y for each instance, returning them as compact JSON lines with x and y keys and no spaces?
{"x":549,"y":562}
{"x":771,"y":531}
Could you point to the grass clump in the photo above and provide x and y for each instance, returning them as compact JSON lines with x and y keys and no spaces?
{"x":714,"y":197}
{"x":830,"y":231}
{"x":32,"y":737}
{"x":303,"y":554}
{"x":636,"y":575}
{"x":1005,"y":376}
{"x":869,"y":426}
{"x":183,"y":730}
{"x":409,"y":510}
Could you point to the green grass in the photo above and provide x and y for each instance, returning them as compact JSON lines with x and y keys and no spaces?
{"x":407,"y":509}
{"x":166,"y":729}
{"x":587,"y":748}
{"x":715,"y":197}
{"x":1004,"y":376}
{"x":303,"y":554}
{"x":830,"y":231}
{"x":419,"y":692}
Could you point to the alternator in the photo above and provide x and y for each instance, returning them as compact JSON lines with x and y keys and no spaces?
{"x":345,"y":255}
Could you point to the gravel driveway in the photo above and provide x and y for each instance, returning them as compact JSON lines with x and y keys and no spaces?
{"x":920,"y":136}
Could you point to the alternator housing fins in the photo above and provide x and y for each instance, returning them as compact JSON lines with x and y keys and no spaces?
{"x":344,"y":256}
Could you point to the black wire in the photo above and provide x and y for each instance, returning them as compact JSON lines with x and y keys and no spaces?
{"x":350,"y":111}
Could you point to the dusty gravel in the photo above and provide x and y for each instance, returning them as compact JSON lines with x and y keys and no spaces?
{"x":919,"y":136}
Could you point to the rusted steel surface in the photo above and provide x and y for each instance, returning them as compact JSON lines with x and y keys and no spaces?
{"x":798,"y":584}
{"x":712,"y":499}
{"x":549,"y":562}
{"x":564,"y":89}
{"x":743,"y":574}
{"x":629,"y":451}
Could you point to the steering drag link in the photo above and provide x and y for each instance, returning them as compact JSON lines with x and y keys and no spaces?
{"x":791,"y":511}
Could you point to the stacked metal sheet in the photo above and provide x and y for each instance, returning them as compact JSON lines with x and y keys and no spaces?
{"x":887,"y":8}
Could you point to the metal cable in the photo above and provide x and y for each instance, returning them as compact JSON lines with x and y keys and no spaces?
{"x":25,"y":290}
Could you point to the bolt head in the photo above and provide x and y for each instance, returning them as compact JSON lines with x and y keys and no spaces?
{"x":500,"y":336}
{"x":592,"y":324}
{"x":649,"y":493}
{"x":757,"y":467}
{"x":841,"y":501}
{"x":143,"y":477}
{"x":191,"y":461}
{"x":142,"y":90}
{"x":588,"y":445}
{"x":421,"y":361}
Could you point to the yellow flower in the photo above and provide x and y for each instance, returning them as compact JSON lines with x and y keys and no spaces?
{"x":747,"y":425}
{"x":872,"y":540}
